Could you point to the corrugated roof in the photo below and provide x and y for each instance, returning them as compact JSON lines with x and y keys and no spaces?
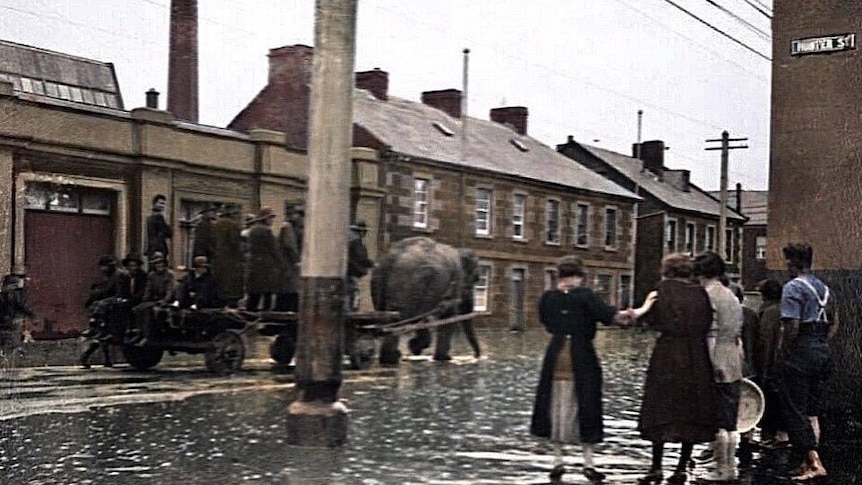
{"x":696,"y":200}
{"x":56,"y":75}
{"x":755,"y":204}
{"x":419,"y":130}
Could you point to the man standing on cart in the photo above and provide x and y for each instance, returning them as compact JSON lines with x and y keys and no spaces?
{"x":358,"y":263}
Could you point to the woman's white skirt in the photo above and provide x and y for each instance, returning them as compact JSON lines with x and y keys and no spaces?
{"x":564,"y":412}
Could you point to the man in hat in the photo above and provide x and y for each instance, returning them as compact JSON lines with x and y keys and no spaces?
{"x":158,"y":230}
{"x":103,"y":295}
{"x":204,"y":241}
{"x":288,"y":296}
{"x":134,"y":279}
{"x":227,"y":265}
{"x":159,"y":291}
{"x":201,"y":290}
{"x":358,"y":263}
{"x":12,"y":306}
{"x":264,"y":263}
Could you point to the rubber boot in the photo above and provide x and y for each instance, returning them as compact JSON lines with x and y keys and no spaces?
{"x":719,"y":446}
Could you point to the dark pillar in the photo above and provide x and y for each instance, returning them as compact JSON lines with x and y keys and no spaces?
{"x":317,"y":418}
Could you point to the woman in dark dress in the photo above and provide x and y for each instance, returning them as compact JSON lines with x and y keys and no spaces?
{"x":680,"y":396}
{"x":568,"y":404}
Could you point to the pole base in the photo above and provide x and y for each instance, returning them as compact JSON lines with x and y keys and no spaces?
{"x":317,"y":424}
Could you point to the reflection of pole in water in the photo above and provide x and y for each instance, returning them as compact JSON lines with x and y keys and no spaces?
{"x":317,"y":418}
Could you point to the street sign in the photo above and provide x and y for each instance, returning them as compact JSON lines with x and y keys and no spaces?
{"x":818,"y":45}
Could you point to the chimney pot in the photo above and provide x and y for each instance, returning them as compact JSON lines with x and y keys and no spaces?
{"x":513,"y":116}
{"x":446,"y":100}
{"x":153,"y":99}
{"x":375,"y":81}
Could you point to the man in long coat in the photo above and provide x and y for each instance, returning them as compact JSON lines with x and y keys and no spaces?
{"x":204,"y":239}
{"x":227,"y":265}
{"x":288,"y":296}
{"x":264,"y":262}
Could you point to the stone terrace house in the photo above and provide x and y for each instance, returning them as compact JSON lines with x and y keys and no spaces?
{"x":753,"y":204}
{"x":78,"y":172}
{"x":519,"y":204}
{"x":674,"y":216}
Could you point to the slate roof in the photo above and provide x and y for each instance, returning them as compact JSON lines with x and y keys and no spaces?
{"x":409,"y":128}
{"x":56,"y":75}
{"x":696,"y":200}
{"x":755,"y":204}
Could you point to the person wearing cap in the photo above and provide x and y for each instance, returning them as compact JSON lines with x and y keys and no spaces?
{"x":358,"y":263}
{"x":134,"y":279}
{"x":158,"y":230}
{"x":13,"y":305}
{"x":103,"y":294}
{"x":227,"y":264}
{"x":204,"y":240}
{"x":200,"y":290}
{"x":158,"y":291}
{"x":265,"y":262}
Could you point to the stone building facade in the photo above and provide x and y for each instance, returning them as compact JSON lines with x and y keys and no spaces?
{"x":78,"y":174}
{"x":471,"y":183}
{"x":674,"y":214}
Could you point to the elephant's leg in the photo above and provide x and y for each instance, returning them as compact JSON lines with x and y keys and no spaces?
{"x":389,"y":353}
{"x":471,"y":337}
{"x":443,"y":344}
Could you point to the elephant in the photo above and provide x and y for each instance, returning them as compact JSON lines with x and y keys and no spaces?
{"x":421,"y":278}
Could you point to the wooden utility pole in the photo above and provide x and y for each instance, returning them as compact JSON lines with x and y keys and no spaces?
{"x":722,"y":218}
{"x":317,"y":417}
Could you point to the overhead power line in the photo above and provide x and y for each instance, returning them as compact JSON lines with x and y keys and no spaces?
{"x":741,"y":20}
{"x":725,"y":34}
{"x":764,"y":10}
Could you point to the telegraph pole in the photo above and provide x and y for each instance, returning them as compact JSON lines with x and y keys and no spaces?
{"x":317,"y":417}
{"x":725,"y":152}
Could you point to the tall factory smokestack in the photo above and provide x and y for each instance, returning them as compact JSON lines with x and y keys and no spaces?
{"x":183,"y":61}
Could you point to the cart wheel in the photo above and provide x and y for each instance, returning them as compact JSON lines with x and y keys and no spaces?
{"x":283,"y":349}
{"x":227,"y":353}
{"x":142,"y":358}
{"x":362,"y":351}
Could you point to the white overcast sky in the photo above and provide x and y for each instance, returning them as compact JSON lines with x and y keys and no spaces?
{"x":582,"y":67}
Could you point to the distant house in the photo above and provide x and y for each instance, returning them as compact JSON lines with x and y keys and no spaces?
{"x":752,"y":204}
{"x":517,"y":202}
{"x":675,"y":215}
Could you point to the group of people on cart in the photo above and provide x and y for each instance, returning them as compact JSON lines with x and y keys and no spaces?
{"x":232,"y":266}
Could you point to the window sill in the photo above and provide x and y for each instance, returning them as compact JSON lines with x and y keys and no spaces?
{"x":483,"y":236}
{"x":611,"y":249}
{"x":520,"y":240}
{"x":548,"y":243}
{"x":423,"y":230}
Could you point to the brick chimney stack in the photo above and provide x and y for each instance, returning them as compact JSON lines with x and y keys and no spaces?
{"x":512,"y":116}
{"x":183,"y":61}
{"x":375,"y":81}
{"x":446,"y":100}
{"x":652,"y":154}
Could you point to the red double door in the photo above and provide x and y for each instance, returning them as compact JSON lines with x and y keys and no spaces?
{"x":62,"y":252}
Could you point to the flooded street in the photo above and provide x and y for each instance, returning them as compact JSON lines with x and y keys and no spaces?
{"x":462,"y":422}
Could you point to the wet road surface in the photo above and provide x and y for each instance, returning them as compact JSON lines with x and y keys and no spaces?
{"x":461,"y":422}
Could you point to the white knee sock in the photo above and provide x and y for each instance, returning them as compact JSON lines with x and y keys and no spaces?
{"x":558,"y":454}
